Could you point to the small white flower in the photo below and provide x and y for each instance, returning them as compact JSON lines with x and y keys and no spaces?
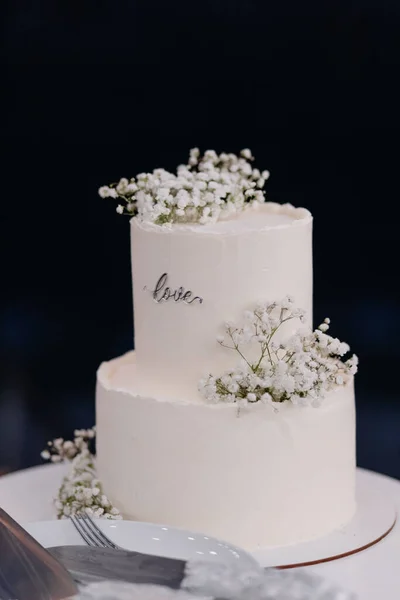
{"x":343,"y":348}
{"x":120,"y":209}
{"x":122,"y":185}
{"x":182,"y":203}
{"x":194,"y":156}
{"x":246,"y":153}
{"x":259,"y":196}
{"x":131,"y":188}
{"x":267,"y":319}
{"x":266,"y":398}
{"x":162,"y":193}
{"x":104,"y":191}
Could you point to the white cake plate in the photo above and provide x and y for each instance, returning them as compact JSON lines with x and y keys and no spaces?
{"x":374,"y":520}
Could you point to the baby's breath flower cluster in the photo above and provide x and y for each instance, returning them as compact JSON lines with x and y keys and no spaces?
{"x":210,"y":187}
{"x":301,"y":370}
{"x":59,"y":449}
{"x":80,"y":489}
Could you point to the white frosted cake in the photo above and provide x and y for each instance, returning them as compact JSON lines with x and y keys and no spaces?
{"x":207,"y":434}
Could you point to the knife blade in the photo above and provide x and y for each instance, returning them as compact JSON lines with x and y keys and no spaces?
{"x":85,"y":562}
{"x":27,"y":570}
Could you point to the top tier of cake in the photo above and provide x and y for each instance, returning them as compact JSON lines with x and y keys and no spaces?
{"x":188,"y":280}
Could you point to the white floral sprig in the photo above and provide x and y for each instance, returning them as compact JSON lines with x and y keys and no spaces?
{"x":301,"y":370}
{"x":80,"y":490}
{"x":208,"y":188}
{"x":59,"y":449}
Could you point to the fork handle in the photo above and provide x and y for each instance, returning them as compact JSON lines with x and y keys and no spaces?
{"x":124,"y":565}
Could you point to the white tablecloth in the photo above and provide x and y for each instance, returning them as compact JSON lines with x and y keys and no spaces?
{"x":373,"y":574}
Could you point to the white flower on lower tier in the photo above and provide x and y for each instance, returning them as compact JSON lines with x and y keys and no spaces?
{"x":301,"y":369}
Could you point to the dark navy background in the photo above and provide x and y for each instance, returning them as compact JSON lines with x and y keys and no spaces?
{"x":100,"y":90}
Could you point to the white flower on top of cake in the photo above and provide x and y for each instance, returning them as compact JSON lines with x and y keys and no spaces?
{"x":301,"y":369}
{"x":208,"y":188}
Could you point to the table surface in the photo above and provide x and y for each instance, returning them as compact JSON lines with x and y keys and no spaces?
{"x":372,"y":574}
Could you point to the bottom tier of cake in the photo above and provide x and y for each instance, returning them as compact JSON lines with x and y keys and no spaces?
{"x":258,"y":478}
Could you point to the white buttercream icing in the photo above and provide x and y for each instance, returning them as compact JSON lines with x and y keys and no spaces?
{"x":254,"y":218}
{"x":263,"y":253}
{"x":165,"y":455}
{"x":257,"y":479}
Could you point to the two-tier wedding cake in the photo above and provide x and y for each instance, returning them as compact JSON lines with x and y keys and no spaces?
{"x":231,"y":417}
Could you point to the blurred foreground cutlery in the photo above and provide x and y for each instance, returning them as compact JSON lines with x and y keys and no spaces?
{"x":27,"y":570}
{"x":88,"y":563}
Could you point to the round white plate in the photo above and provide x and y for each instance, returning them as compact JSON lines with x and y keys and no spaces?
{"x":374,"y":520}
{"x":158,"y":540}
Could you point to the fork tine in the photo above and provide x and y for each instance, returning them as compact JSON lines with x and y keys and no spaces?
{"x":78,"y":526}
{"x":85,"y":533}
{"x":91,"y":533}
{"x":98,"y":533}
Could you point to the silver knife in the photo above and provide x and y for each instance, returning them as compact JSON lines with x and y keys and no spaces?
{"x":27,"y":570}
{"x":90,"y":564}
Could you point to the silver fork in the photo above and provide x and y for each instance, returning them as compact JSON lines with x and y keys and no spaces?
{"x":91,"y":533}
